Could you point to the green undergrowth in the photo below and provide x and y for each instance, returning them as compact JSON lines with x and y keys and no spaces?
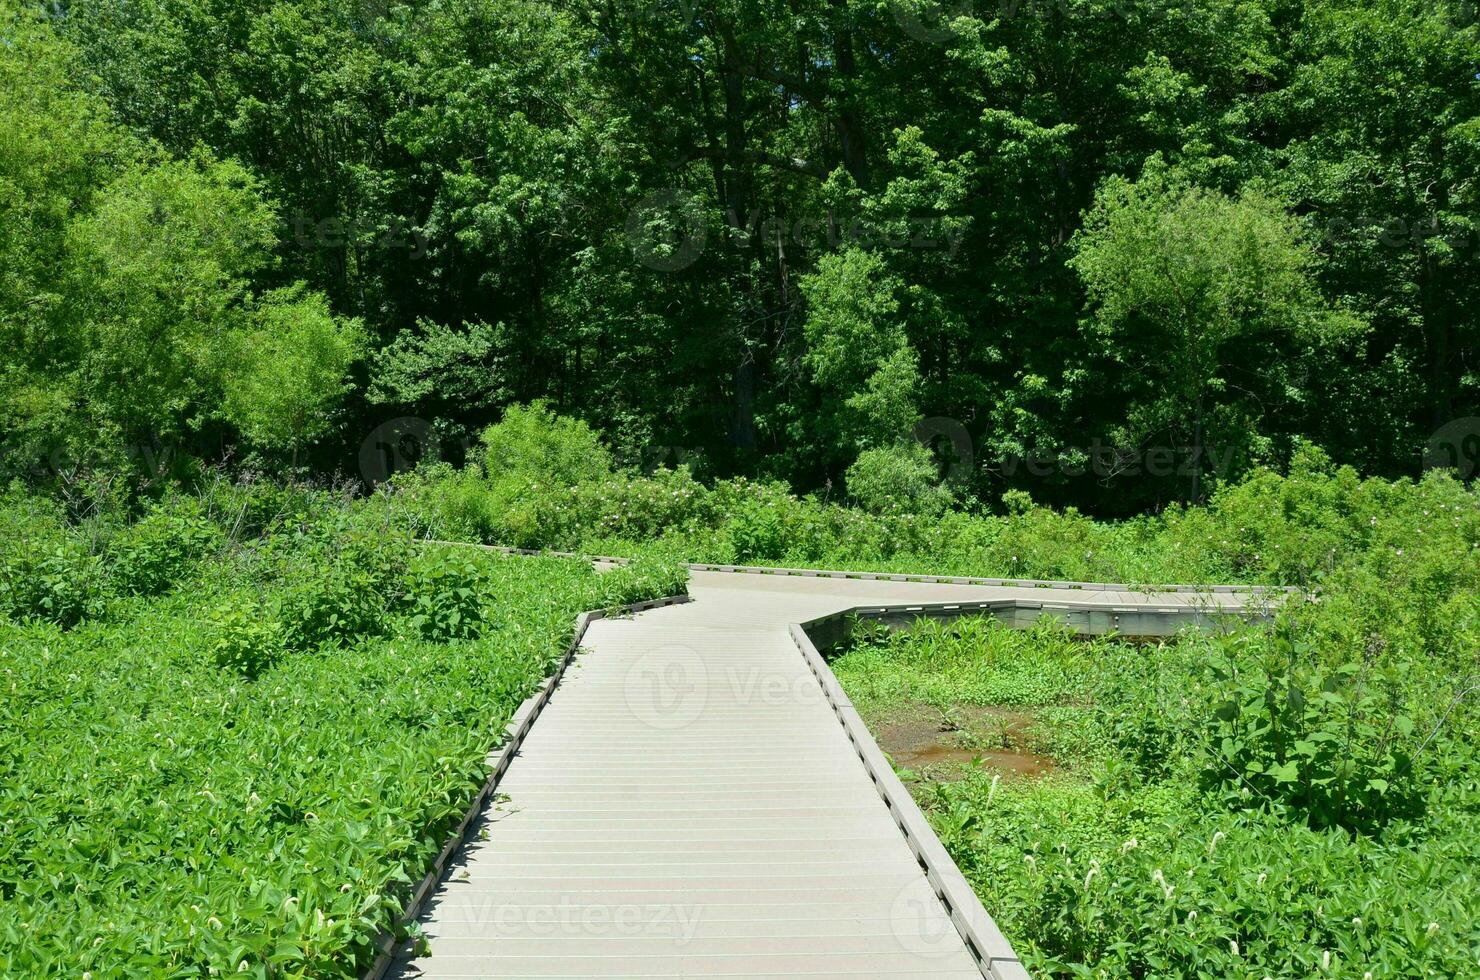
{"x":544,"y":482}
{"x":1270,"y":802}
{"x":236,"y":729}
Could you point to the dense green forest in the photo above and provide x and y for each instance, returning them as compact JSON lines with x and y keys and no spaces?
{"x":1125,"y":291}
{"x":1110,"y":252}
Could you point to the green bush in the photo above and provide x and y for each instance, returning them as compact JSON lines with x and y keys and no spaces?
{"x":46,"y":571}
{"x":647,"y":508}
{"x":341,"y":590}
{"x":1311,"y":527}
{"x":649,"y":577}
{"x":553,"y":451}
{"x":898,"y":479}
{"x":247,"y":639}
{"x":162,"y":548}
{"x":1333,"y":744}
{"x":255,"y":507}
{"x":758,"y":522}
{"x":1291,"y":800}
{"x":183,"y":792}
{"x":1152,"y":883}
{"x":448,"y":594}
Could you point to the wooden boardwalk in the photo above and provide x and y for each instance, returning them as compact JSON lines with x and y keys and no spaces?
{"x":691,"y":803}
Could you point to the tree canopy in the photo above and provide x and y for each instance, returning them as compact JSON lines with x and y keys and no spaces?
{"x":766,"y":237}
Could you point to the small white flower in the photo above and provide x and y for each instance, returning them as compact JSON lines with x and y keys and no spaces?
{"x":1433,"y":928}
{"x":1129,"y":846}
{"x":1233,"y":946}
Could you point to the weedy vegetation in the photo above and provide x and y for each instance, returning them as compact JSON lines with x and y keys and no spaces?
{"x":234,"y":731}
{"x":1293,"y":799}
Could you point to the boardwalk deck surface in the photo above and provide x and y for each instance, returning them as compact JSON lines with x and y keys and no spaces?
{"x":689,"y":805}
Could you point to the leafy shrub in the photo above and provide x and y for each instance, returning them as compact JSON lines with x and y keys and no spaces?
{"x":1037,"y":542}
{"x":532,"y":514}
{"x":1296,"y":528}
{"x":254,"y":507}
{"x":898,"y":479}
{"x":150,"y":556}
{"x":1151,"y":852}
{"x":247,"y":639}
{"x":646,"y":508}
{"x":533,"y":443}
{"x":162,"y":817}
{"x":440,"y":502}
{"x":757,"y":520}
{"x":46,"y":572}
{"x":1151,"y":883}
{"x":341,"y":590}
{"x":1323,"y":741}
{"x":448,"y":594}
{"x":649,"y":577}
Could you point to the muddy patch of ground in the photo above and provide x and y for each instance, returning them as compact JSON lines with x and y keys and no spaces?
{"x":942,"y":744}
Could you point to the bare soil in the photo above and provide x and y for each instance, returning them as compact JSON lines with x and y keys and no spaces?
{"x":942,"y":744}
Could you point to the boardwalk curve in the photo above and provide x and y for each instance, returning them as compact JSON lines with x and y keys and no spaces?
{"x":699,"y":799}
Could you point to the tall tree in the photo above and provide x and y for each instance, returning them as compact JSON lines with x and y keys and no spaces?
{"x":1183,"y":281}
